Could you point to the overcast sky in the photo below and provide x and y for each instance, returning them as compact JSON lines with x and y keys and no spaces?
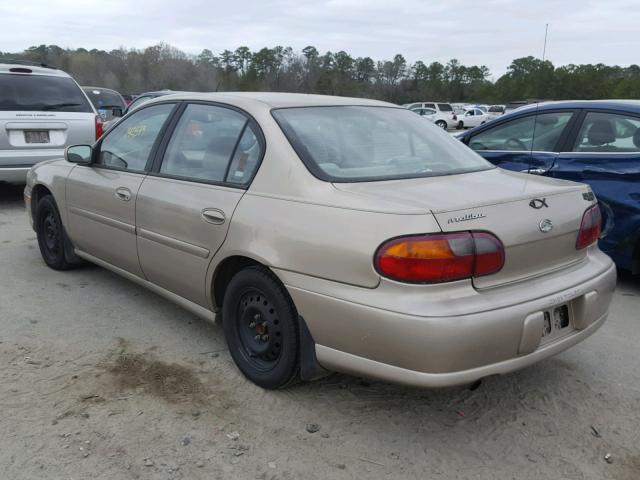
{"x":489,"y":32}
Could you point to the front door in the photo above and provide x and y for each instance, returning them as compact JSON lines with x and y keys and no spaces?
{"x":186,"y":203}
{"x":524,"y":144}
{"x":101,"y":197}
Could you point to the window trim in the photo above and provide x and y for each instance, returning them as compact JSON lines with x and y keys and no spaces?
{"x":154,"y":169}
{"x":156,"y":143}
{"x":566,"y":131}
{"x":568,"y":145}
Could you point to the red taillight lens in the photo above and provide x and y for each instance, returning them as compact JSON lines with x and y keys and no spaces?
{"x":440,"y":257}
{"x":590,"y":227}
{"x":99,"y":127}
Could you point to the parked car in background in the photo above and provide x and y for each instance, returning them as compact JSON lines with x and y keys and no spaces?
{"x":447,"y":119}
{"x":138,"y":101}
{"x":42,"y":111}
{"x":185,"y":195}
{"x":472,"y":118}
{"x":595,"y":142}
{"x":495,"y":111}
{"x":430,"y":114}
{"x":107,"y":102}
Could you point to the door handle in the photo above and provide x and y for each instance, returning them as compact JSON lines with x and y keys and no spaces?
{"x":123,"y":194}
{"x":213,"y":215}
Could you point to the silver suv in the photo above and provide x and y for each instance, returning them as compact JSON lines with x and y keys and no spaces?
{"x":42,"y":111}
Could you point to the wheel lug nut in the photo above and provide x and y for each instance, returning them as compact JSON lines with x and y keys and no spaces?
{"x":257,"y":337}
{"x":252,"y":325}
{"x":265,"y":338}
{"x":264,"y":324}
{"x":256,"y":317}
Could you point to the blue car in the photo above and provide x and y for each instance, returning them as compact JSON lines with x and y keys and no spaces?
{"x":595,"y":142}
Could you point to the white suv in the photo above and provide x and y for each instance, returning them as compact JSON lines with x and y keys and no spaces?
{"x":446,"y":117}
{"x":42,"y":111}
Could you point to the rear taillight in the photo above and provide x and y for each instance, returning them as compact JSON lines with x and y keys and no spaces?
{"x":441,"y":257}
{"x":99,"y":127}
{"x":590,"y":227}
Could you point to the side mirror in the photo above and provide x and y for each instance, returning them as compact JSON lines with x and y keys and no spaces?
{"x":78,"y":154}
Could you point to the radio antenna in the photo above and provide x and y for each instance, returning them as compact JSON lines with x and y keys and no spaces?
{"x":544,"y":48}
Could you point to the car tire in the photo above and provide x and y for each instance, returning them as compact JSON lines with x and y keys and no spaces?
{"x":460,"y":125}
{"x":51,"y":235}
{"x":442,"y":124}
{"x":261,"y":328}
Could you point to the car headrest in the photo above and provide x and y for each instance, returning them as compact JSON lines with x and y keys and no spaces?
{"x":636,"y":137}
{"x":601,"y":132}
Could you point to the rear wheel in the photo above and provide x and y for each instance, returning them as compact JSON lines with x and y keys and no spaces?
{"x":441,"y":124}
{"x":50,"y":233}
{"x":260,"y":325}
{"x":460,"y":125}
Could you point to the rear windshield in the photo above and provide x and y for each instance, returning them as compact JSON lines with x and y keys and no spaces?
{"x":104,"y":98}
{"x":445,"y":107}
{"x":19,"y":92}
{"x":355,"y":143}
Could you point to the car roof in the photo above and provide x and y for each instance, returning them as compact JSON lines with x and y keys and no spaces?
{"x":35,"y":70}
{"x":632,"y":105}
{"x":277,"y":99}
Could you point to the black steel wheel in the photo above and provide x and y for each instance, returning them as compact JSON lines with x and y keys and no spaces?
{"x":261,"y":328}
{"x":50,"y":233}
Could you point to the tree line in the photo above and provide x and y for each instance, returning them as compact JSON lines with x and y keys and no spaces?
{"x":334,"y":73}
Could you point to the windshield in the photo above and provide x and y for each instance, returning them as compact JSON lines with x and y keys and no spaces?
{"x":102,"y":98}
{"x":41,"y":93}
{"x":347,"y":144}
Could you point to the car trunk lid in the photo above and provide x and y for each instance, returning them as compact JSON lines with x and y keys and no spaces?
{"x":537,"y":219}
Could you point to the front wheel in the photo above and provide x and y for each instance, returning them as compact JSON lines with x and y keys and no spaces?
{"x":51,"y":235}
{"x":442,"y":124}
{"x":260,"y":325}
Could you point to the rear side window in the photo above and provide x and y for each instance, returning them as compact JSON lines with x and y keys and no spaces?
{"x":445,"y":107}
{"x":524,"y":134}
{"x":608,"y":132}
{"x":128,"y":145}
{"x":25,"y":92}
{"x":214,"y":144}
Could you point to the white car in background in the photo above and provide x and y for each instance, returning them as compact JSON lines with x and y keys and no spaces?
{"x":472,"y":118}
{"x":446,"y":117}
{"x":434,"y":116}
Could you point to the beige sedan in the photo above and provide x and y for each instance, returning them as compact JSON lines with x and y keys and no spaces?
{"x":331,"y":234}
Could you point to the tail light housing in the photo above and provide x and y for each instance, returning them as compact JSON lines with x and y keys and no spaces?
{"x":441,"y":257}
{"x":590,"y":227}
{"x":99,"y":127}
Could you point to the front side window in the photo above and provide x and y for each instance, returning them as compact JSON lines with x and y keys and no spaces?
{"x":357,"y":143}
{"x":539,"y":133}
{"x":608,"y":132}
{"x":205,"y":140}
{"x":128,"y":145}
{"x":430,"y":105}
{"x":445,"y":107}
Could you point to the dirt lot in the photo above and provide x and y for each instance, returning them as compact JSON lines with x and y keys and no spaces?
{"x":103,"y":379}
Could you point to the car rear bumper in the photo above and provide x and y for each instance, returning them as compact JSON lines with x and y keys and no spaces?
{"x":454,"y":348}
{"x":14,"y":175}
{"x":14,"y":164}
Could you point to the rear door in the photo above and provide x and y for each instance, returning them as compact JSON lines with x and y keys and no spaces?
{"x":39,"y":116}
{"x":604,"y":152}
{"x":101,"y":197}
{"x":186,"y":203}
{"x":527,"y":143}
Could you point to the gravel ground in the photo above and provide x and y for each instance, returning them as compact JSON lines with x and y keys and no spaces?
{"x":103,"y":379}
